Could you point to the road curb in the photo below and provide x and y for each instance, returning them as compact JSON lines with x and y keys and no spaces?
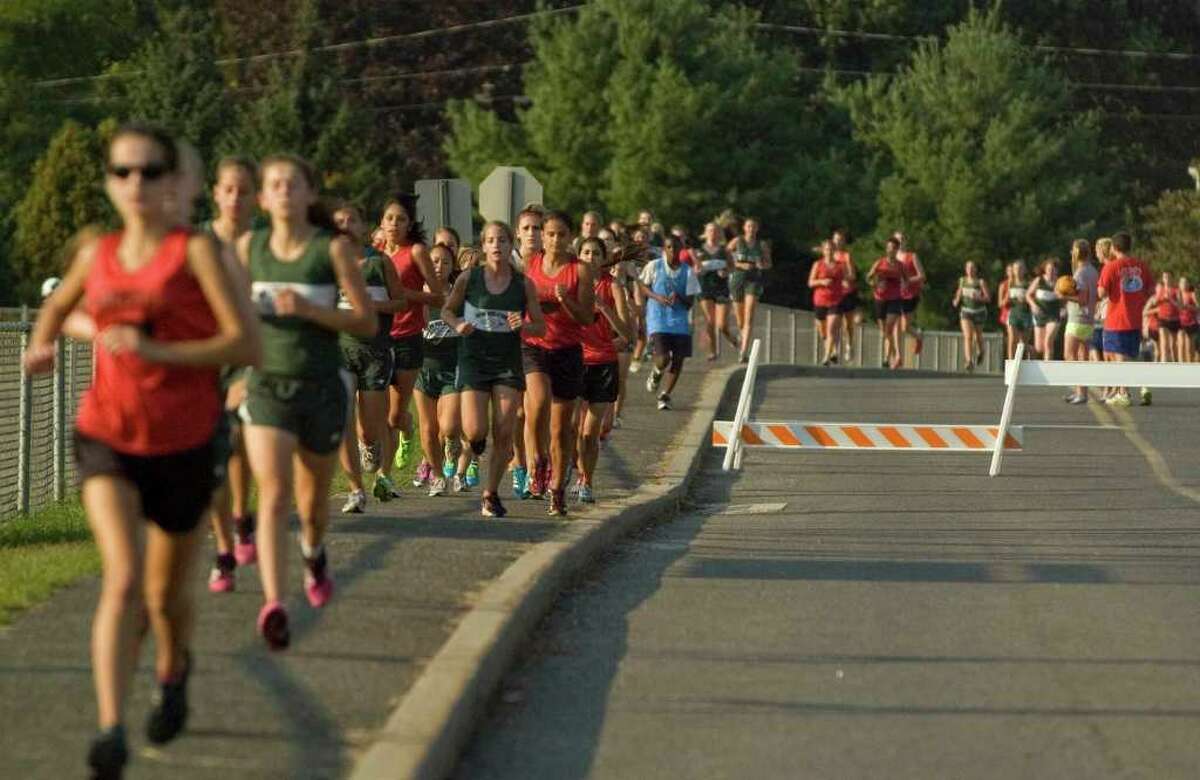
{"x":427,"y":731}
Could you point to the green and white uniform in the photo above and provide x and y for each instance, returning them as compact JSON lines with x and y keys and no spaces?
{"x":1018,"y":311}
{"x":743,"y":283}
{"x":972,"y":307}
{"x":491,"y":354}
{"x":709,"y":263}
{"x":370,"y":360}
{"x":1048,"y":299}
{"x":300,"y":387}
{"x":439,"y":370}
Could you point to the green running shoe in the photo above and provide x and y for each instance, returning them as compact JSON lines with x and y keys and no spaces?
{"x":383,"y":489}
{"x":403,"y":452}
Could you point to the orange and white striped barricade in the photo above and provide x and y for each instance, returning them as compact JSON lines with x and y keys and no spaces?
{"x":1058,"y":373}
{"x":866,"y":437}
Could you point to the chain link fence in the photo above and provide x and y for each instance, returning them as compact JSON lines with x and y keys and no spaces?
{"x":37,"y":417}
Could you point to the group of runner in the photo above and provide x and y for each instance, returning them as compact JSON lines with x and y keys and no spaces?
{"x":228,"y":355}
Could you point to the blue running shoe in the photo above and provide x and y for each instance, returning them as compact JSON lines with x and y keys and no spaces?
{"x":520,"y":482}
{"x":473,"y":474}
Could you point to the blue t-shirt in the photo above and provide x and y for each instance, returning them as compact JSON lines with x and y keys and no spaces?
{"x":660,"y":278}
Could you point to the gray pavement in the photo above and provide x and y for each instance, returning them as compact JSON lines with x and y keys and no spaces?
{"x":406,"y":572}
{"x":903,"y":616}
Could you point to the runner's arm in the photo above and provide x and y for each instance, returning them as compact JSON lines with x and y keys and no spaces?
{"x":39,"y":355}
{"x":583,"y":308}
{"x":536,"y":326}
{"x":984,"y":293}
{"x":454,"y":305}
{"x":766,"y":262}
{"x":919,"y":276}
{"x":957,"y":295}
{"x":436,"y":295}
{"x":396,"y":302}
{"x":621,"y":324}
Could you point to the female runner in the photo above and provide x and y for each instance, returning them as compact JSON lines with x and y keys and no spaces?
{"x":369,"y":361}
{"x":712,"y":266}
{"x":851,"y":316}
{"x":404,"y":243}
{"x":165,"y":316}
{"x":1080,"y":311}
{"x":1165,"y":303}
{"x":910,"y":294}
{"x":972,"y":298}
{"x":1020,"y":319}
{"x":1044,"y":301}
{"x":886,"y":277}
{"x":751,"y":260}
{"x":436,"y":393}
{"x":295,"y":410}
{"x":602,"y":342}
{"x":828,"y":279}
{"x":1187,"y":322}
{"x":489,"y":307}
{"x":554,"y":361}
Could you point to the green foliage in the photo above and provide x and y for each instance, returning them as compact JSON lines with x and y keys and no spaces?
{"x":65,"y":194}
{"x":988,"y":160}
{"x":1174,"y":226}
{"x":173,"y":81}
{"x":300,"y":109}
{"x":479,"y":141}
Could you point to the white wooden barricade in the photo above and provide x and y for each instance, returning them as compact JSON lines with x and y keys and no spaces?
{"x":1057,"y":373}
{"x":733,"y":453}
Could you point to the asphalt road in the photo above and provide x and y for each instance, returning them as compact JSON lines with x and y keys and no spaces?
{"x":406,"y":572}
{"x":900,"y":615}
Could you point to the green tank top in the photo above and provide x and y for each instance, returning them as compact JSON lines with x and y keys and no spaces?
{"x":709,"y":261}
{"x":1016,"y":298}
{"x":492,"y":348}
{"x":441,"y":345}
{"x":1048,"y":299}
{"x":972,"y":295}
{"x":293,"y":346}
{"x":376,"y":283}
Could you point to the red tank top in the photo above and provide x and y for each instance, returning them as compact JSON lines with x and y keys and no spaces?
{"x":833,"y":294}
{"x":909,"y":290}
{"x":561,"y":328}
{"x":1168,"y":302}
{"x":411,"y":321}
{"x":135,"y":406}
{"x":843,"y":257}
{"x":1187,"y":317}
{"x":887,"y":280}
{"x":598,"y":337}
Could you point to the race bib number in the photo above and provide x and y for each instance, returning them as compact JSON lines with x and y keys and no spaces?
{"x":436,"y":330}
{"x":713,"y":265}
{"x":489,"y":320}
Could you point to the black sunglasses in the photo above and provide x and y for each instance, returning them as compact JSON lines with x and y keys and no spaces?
{"x":151,"y":172}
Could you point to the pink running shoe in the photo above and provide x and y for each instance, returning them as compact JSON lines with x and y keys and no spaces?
{"x":539,"y":480}
{"x":244,"y":548}
{"x":273,"y":625}
{"x":423,"y":475}
{"x":221,"y":580}
{"x":318,"y":585}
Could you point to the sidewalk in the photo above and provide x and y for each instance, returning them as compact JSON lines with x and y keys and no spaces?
{"x":406,"y":573}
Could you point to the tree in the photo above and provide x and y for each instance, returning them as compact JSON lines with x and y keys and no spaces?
{"x":173,"y":81}
{"x":988,"y":161}
{"x":65,"y":195}
{"x":1173,"y":223}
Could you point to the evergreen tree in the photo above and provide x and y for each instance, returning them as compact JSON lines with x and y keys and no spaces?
{"x":1173,"y":223}
{"x":988,"y":161}
{"x":64,"y":195}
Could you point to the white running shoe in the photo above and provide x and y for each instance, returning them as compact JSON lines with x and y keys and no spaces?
{"x":458,"y":484}
{"x":653,"y":381}
{"x":368,"y":457}
{"x":356,"y":502}
{"x":437,"y":486}
{"x":634,"y":366}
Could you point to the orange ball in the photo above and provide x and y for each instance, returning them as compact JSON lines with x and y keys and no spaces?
{"x":1065,"y":286}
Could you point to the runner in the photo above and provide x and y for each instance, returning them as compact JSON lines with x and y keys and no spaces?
{"x":1165,"y":302}
{"x":886,"y":277}
{"x":670,"y":288}
{"x":828,"y":279}
{"x":1096,"y":348}
{"x":490,"y":306}
{"x":712,"y":266}
{"x":448,"y":237}
{"x":554,"y":361}
{"x":602,"y":341}
{"x":589,"y":227}
{"x":849,"y":308}
{"x":972,"y":298}
{"x":1188,"y":327}
{"x":751,"y":260}
{"x":1003,"y":303}
{"x":436,"y":392}
{"x":910,"y":294}
{"x":1020,"y":318}
{"x":232,"y":521}
{"x":404,"y":243}
{"x":1044,"y":301}
{"x":369,"y":362}
{"x":641,"y":251}
{"x":296,"y":406}
{"x":1125,"y":282}
{"x":529,"y":238}
{"x":1081,"y":306}
{"x":165,"y":315}
{"x":625,"y":273}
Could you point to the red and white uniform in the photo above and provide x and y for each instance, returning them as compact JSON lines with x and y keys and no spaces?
{"x":828,"y":296}
{"x":134,"y":406}
{"x":411,"y":321}
{"x":561,"y":328}
{"x":598,"y":347}
{"x":1168,"y":302}
{"x":909,"y":289}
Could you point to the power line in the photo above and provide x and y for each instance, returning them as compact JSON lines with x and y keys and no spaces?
{"x":874,"y":36}
{"x":1171,"y":88}
{"x":336,"y":47}
{"x":439,"y":106}
{"x":418,"y":74}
